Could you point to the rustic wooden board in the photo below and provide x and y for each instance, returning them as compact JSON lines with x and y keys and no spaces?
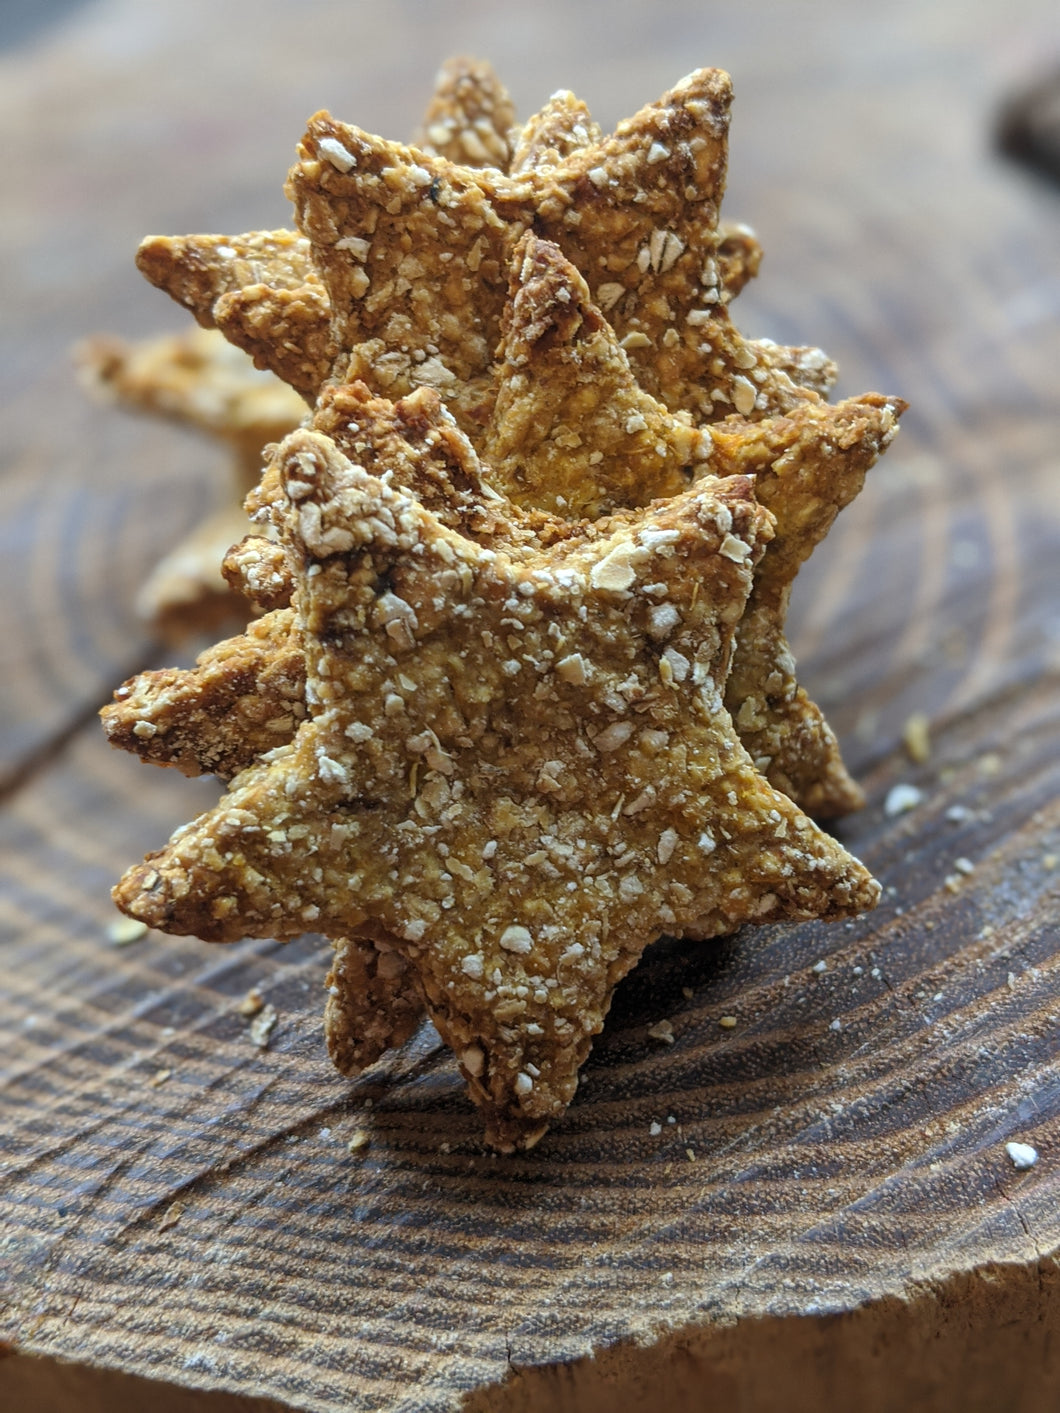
{"x":845,"y":1142}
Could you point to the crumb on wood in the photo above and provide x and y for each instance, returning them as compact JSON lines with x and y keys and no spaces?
{"x":172,"y":1216}
{"x":916,"y":737}
{"x":662,"y":1030}
{"x":1023,"y":1155}
{"x":901,"y":798}
{"x":252,"y":1003}
{"x":125,"y":930}
{"x":261,"y":1027}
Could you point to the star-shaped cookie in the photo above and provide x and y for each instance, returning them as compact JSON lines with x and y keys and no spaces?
{"x":199,"y":380}
{"x":399,"y":278}
{"x":571,"y":435}
{"x":246,"y":696}
{"x":551,"y":781}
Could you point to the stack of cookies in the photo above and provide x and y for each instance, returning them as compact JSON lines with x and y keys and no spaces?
{"x":519,"y":700}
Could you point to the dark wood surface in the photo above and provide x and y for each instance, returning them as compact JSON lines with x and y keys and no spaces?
{"x":840,"y":1153}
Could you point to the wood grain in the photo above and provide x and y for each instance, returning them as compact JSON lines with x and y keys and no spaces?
{"x":180,"y":1206}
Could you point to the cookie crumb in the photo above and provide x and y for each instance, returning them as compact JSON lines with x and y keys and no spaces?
{"x":916,"y":737}
{"x":252,"y":1003}
{"x":1022,"y":1154}
{"x":261,"y":1028}
{"x":172,"y":1216}
{"x":901,"y":798}
{"x":125,"y":930}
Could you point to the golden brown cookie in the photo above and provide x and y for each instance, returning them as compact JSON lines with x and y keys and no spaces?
{"x":414,"y":251}
{"x":571,"y":435}
{"x":520,"y":770}
{"x":244,"y":697}
{"x":374,"y":1002}
{"x":260,"y":289}
{"x":636,"y":212}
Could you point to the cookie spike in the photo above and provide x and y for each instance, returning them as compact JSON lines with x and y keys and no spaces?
{"x":547,"y":138}
{"x":259,"y":289}
{"x":571,"y":431}
{"x":806,"y":367}
{"x":374,"y":1002}
{"x":195,"y":379}
{"x":807,"y":467}
{"x":198,"y":380}
{"x":244,"y":697}
{"x":197,"y":270}
{"x":469,"y":116}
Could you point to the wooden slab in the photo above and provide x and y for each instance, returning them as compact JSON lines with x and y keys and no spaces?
{"x":832,"y":1211}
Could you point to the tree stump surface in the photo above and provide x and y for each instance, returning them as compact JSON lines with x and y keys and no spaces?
{"x":811,"y":1208}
